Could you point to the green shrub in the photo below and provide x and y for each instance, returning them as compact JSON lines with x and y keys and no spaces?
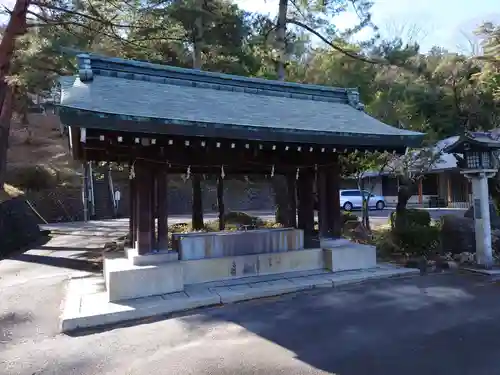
{"x":412,"y":217}
{"x":233,"y":221}
{"x":417,"y":240}
{"x":349,"y":216}
{"x":179,"y":228}
{"x":241,"y":218}
{"x":411,"y":240}
{"x":385,"y":244}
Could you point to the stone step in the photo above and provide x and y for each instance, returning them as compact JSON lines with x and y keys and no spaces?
{"x":86,"y":304}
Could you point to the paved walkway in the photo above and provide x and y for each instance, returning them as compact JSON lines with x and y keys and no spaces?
{"x":86,"y":302}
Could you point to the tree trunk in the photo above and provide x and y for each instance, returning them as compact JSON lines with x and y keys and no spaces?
{"x":197,"y":209}
{"x":279,"y":183}
{"x":15,"y":27}
{"x":281,"y":34}
{"x":405,"y":192}
{"x":5,"y":117}
{"x":365,"y":214}
{"x":198,"y":38}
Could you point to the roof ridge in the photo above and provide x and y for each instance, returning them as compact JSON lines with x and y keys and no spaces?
{"x":92,"y":64}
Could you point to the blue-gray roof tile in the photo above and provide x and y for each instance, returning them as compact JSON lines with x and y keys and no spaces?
{"x":168,"y":101}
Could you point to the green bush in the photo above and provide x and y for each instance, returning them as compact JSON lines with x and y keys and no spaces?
{"x":418,"y":240}
{"x":412,"y":217}
{"x":348,"y":216}
{"x":241,"y":218}
{"x":385,"y":244}
{"x":414,"y":237}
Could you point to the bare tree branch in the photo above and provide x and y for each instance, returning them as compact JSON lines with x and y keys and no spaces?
{"x":350,"y":54}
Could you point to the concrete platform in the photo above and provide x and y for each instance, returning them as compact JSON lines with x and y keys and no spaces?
{"x":124,"y":280}
{"x":86,"y":304}
{"x":351,"y":256}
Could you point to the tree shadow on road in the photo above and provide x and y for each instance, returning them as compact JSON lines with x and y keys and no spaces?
{"x":386,"y":327}
{"x":71,"y":263}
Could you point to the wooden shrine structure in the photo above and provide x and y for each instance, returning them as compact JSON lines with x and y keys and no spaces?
{"x":163,"y":120}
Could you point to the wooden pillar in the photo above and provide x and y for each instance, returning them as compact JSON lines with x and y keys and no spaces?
{"x":154,"y":206}
{"x":132,"y":199}
{"x":333,"y":188}
{"x":143,"y":174}
{"x":292,"y":200}
{"x":220,"y":202}
{"x":162,"y":207}
{"x":420,"y":192}
{"x":85,"y":191}
{"x":323,"y":204}
{"x":305,"y":185}
{"x":448,"y":190}
{"x":197,"y":208}
{"x":467,"y":196}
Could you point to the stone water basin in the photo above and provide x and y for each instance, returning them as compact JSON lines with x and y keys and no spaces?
{"x":203,"y":245}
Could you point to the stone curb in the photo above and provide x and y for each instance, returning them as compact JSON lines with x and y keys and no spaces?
{"x":167,"y":306}
{"x":485,"y":272}
{"x":198,"y":296}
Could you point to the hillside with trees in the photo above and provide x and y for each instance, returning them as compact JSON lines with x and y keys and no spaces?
{"x":439,"y":92}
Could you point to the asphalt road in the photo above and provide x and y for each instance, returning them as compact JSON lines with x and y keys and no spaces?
{"x":107,"y":227}
{"x":435,"y":324}
{"x":377,"y":217}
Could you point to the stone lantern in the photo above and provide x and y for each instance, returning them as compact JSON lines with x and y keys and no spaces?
{"x":479,"y":162}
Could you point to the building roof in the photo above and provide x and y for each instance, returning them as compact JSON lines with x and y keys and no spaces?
{"x":478,"y":140}
{"x":446,"y":160}
{"x":138,"y":96}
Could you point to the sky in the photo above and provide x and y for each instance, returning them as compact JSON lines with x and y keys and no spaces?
{"x":436,"y":22}
{"x":429,"y":22}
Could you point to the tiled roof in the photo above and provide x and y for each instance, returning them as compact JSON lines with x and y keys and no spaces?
{"x":489,"y":140}
{"x":183,"y":96}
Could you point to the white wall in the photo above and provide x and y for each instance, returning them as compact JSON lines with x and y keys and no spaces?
{"x":393,"y":199}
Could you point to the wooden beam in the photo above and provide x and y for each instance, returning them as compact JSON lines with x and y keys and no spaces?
{"x":210,"y":154}
{"x":197,"y":141}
